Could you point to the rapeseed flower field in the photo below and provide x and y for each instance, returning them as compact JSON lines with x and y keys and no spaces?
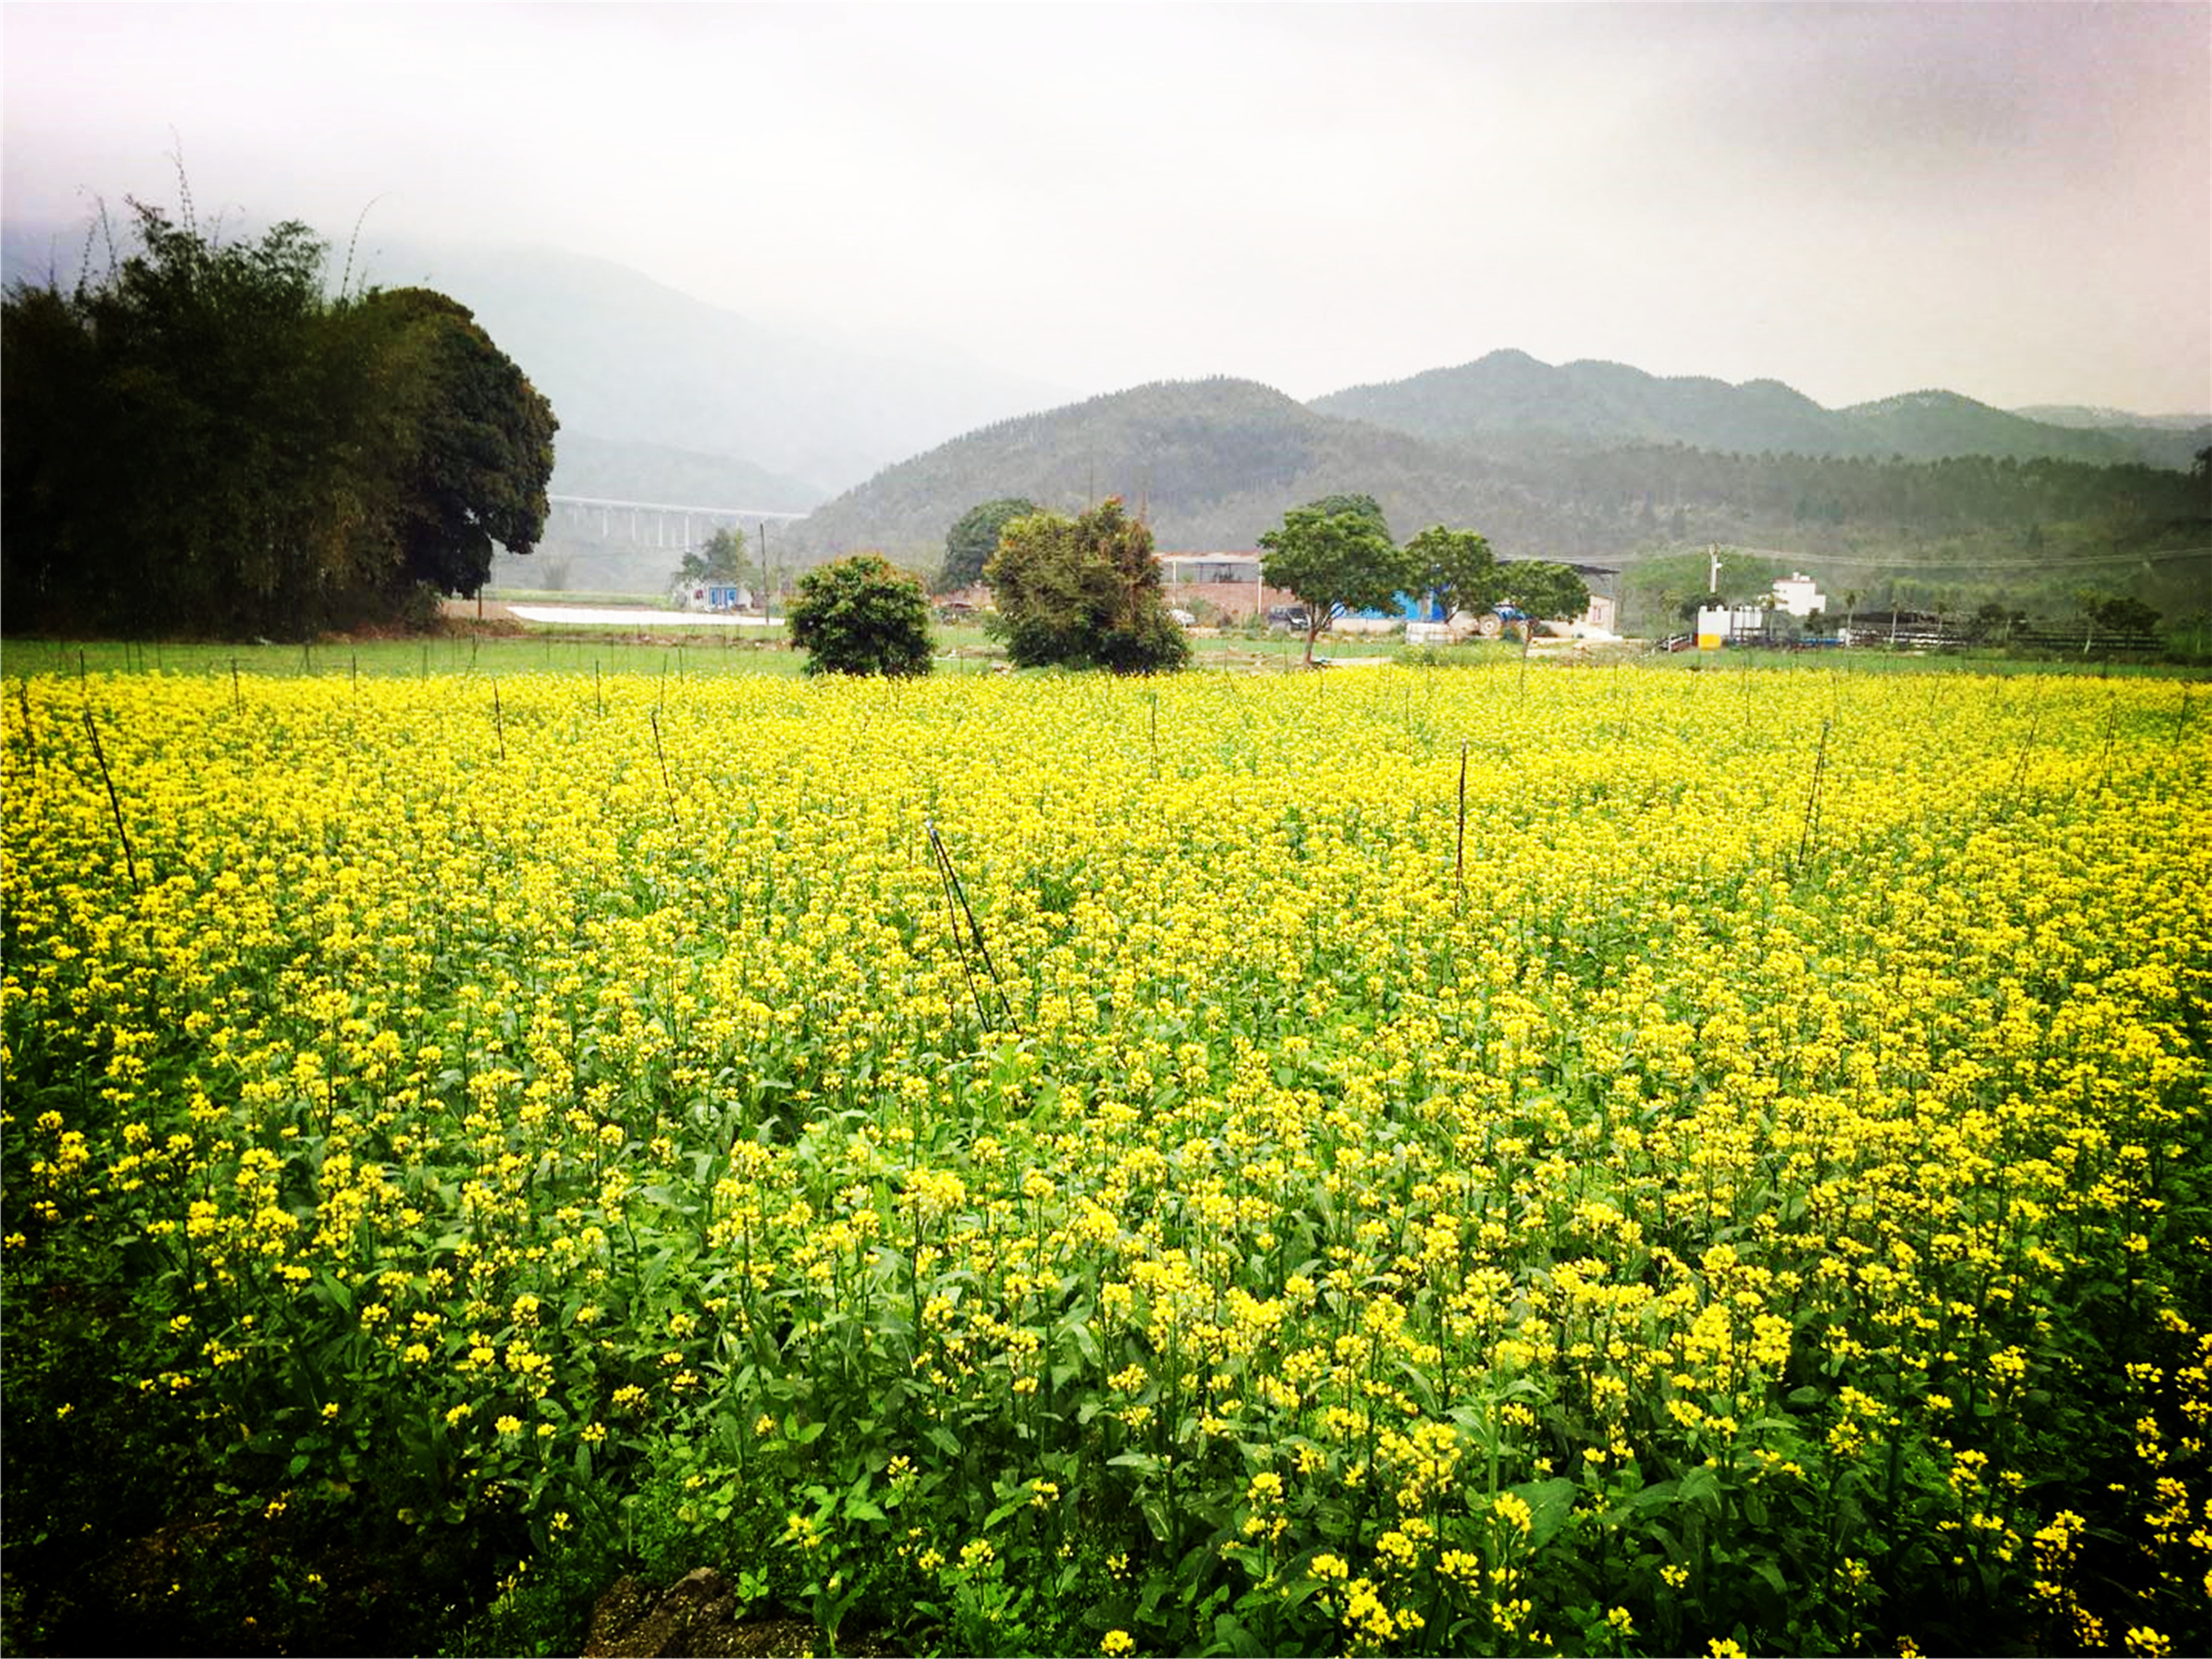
{"x":1596,"y":1160}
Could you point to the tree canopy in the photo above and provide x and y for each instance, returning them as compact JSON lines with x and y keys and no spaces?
{"x":971,"y":541}
{"x":1333,"y":553}
{"x":1454,"y":566}
{"x":1362,"y":506}
{"x":723,"y":559}
{"x":482,"y":450}
{"x":1082,"y":593}
{"x":861,"y":615}
{"x":203,"y":441}
{"x":2118,"y":613}
{"x":1543,"y":589}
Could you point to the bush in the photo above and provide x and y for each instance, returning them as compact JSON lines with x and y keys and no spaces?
{"x":1083,"y":593}
{"x":861,"y":615}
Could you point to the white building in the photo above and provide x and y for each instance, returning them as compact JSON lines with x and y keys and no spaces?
{"x":1797,"y":594}
{"x":718,"y":595}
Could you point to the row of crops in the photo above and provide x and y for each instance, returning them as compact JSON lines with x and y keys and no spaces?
{"x":1592,"y":1160}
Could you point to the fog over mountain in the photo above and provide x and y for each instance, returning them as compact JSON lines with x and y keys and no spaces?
{"x":631,"y":362}
{"x":662,"y":397}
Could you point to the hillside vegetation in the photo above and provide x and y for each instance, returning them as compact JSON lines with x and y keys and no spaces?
{"x":1212,"y":463}
{"x":1209,"y":463}
{"x":1510,"y":394}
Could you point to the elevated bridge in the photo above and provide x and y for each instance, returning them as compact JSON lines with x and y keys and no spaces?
{"x":653,"y":524}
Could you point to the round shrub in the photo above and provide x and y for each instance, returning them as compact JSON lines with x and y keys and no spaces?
{"x":861,"y":615}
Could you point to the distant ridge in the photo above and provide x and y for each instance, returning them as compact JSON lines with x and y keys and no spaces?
{"x":1212,"y":463}
{"x":1209,"y":463}
{"x":662,"y":397}
{"x":2084,"y":415}
{"x":1510,"y":399}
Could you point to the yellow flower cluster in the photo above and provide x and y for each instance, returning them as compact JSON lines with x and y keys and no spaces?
{"x":1229,"y":1079}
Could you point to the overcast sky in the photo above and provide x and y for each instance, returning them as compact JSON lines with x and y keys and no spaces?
{"x":2013,"y":201}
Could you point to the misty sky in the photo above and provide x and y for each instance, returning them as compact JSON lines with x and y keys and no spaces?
{"x":2013,"y":201}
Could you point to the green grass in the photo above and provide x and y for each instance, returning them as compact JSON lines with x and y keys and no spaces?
{"x":615,"y":648}
{"x":612,"y":648}
{"x":611,"y":652}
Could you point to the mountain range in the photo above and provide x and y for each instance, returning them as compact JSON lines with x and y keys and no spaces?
{"x":662,"y":397}
{"x":1590,"y":461}
{"x":1510,"y":396}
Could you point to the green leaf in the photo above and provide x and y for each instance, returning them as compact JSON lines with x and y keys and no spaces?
{"x":1701,"y":1489}
{"x":1229,"y":1636}
{"x":1550,"y":1503}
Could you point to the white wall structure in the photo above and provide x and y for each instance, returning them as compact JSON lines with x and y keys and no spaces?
{"x":1798,"y":594}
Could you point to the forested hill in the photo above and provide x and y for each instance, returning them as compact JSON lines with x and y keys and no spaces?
{"x":1214,"y":463}
{"x":1510,"y":403}
{"x":1209,"y":463}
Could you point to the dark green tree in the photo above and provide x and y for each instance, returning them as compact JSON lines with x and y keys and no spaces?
{"x":1454,"y":566}
{"x":861,"y":615}
{"x":1359,"y":507}
{"x":201,"y":440}
{"x":481,"y":454}
{"x":970,"y":542}
{"x":722,"y":560}
{"x":1543,"y":589}
{"x":175,"y":439}
{"x":1333,"y":553}
{"x":2119,"y":613}
{"x":1994,"y":621}
{"x":1082,"y":593}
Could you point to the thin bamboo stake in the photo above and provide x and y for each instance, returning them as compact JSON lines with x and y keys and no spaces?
{"x":667,"y":789}
{"x":1459,"y":851}
{"x":114,"y":805}
{"x":955,"y":892}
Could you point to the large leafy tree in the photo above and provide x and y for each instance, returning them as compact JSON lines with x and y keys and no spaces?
{"x":861,"y":615}
{"x":1543,"y":589}
{"x":473,"y":468}
{"x":2118,"y":613}
{"x":1083,"y":593}
{"x":1361,"y":506}
{"x":202,"y":441}
{"x":974,"y":538}
{"x":1334,"y":554}
{"x":722,"y":560}
{"x":1457,"y":567}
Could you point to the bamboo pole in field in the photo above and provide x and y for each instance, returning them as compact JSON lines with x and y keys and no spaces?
{"x":114,"y":805}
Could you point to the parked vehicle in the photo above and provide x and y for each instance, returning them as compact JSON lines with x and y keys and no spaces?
{"x":1492,"y":624}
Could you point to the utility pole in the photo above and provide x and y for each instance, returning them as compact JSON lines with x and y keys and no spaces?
{"x":768,"y":579}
